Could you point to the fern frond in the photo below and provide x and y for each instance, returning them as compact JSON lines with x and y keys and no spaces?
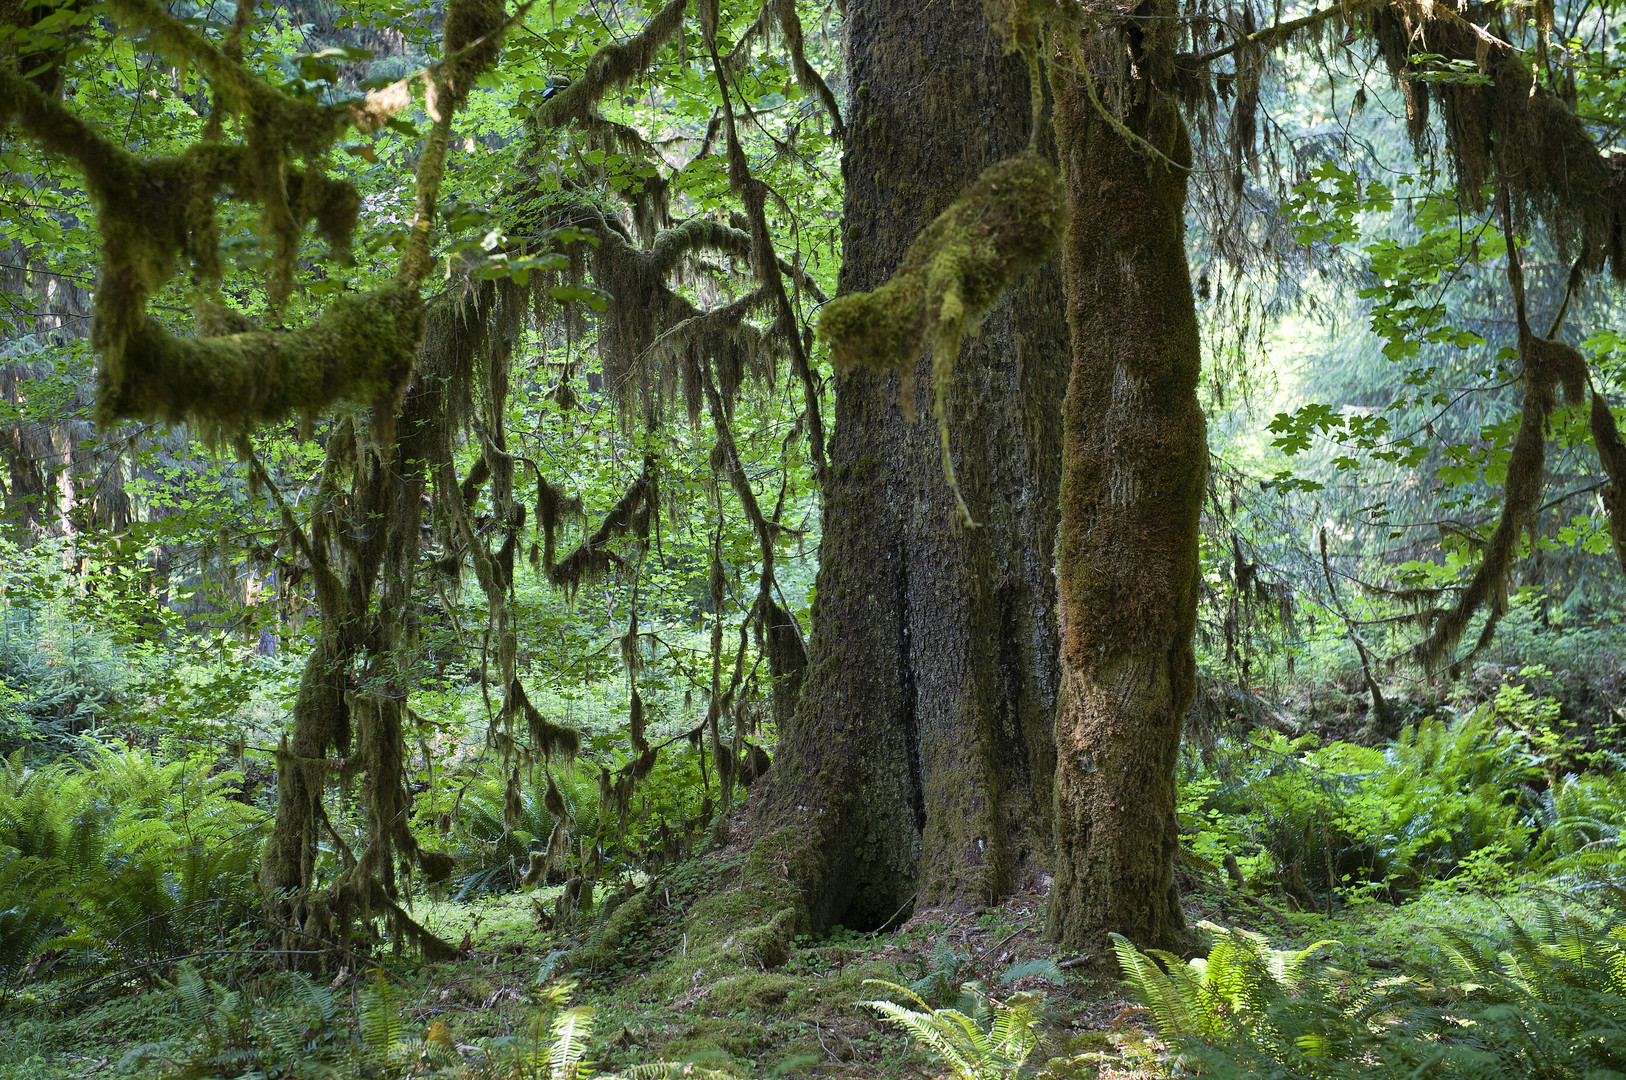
{"x":380,"y":1021}
{"x":571,"y":1029}
{"x":933,"y":1030}
{"x":1047,"y":970}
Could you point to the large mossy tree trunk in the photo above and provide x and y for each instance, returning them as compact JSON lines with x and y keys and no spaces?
{"x":918,"y":764}
{"x":1134,"y":467}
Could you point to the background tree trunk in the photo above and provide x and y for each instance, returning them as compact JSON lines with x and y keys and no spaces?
{"x":1134,"y":466}
{"x":922,"y":748}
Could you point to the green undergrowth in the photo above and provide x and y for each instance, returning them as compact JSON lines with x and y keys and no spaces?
{"x":1538,"y":990}
{"x":657,"y":992}
{"x":740,"y":1023}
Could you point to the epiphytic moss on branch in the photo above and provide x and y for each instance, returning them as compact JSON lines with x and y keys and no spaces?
{"x":1548,"y":364}
{"x":610,"y":67}
{"x":361,"y":348}
{"x":1005,"y":224}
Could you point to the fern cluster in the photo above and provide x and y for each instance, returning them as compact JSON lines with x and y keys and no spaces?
{"x":120,"y":858}
{"x":1448,"y":799}
{"x":1547,"y":1001}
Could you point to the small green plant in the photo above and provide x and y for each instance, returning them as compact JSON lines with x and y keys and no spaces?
{"x":991,"y":1042}
{"x":1223,"y":994}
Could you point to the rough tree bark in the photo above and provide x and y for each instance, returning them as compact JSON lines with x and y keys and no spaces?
{"x":1134,"y":466}
{"x":921,"y":752}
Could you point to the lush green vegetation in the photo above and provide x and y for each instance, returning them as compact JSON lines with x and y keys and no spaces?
{"x":347,"y":735}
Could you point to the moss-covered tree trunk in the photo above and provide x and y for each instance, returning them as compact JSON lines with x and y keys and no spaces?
{"x":1133,"y":471}
{"x":918,"y":764}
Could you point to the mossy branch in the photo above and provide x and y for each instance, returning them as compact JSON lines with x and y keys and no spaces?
{"x":696,"y":234}
{"x":361,"y":348}
{"x":631,"y":513}
{"x":1547,"y":364}
{"x":1008,"y":222}
{"x":611,"y":67}
{"x":1277,"y":34}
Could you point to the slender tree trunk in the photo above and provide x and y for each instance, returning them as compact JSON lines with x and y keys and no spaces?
{"x":919,"y":760}
{"x":1133,"y":470}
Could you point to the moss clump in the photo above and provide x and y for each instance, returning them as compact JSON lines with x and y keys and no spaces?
{"x":710,"y":1045}
{"x":756,"y":991}
{"x":475,"y":26}
{"x":603,"y":949}
{"x":1005,"y":224}
{"x":362,"y":347}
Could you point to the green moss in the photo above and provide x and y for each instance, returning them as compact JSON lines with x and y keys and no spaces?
{"x":1006,"y":223}
{"x":361,"y":348}
{"x":708,"y":1043}
{"x":757,"y":991}
{"x":603,"y":949}
{"x":848,"y":984}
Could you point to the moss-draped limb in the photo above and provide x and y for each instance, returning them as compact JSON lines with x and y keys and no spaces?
{"x":1548,"y":364}
{"x":645,"y":309}
{"x":611,"y":67}
{"x":153,"y":213}
{"x":360,"y":348}
{"x":632,"y":513}
{"x":1005,"y":224}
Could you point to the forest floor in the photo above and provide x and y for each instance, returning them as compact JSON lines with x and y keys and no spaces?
{"x":805,"y":1018}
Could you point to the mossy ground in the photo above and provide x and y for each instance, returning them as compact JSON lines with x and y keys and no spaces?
{"x":650,"y":1004}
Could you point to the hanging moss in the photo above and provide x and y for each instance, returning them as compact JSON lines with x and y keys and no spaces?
{"x":790,"y":29}
{"x":1612,"y":456}
{"x":1547,"y":365}
{"x":632,"y":513}
{"x":547,"y":738}
{"x":1509,"y":126}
